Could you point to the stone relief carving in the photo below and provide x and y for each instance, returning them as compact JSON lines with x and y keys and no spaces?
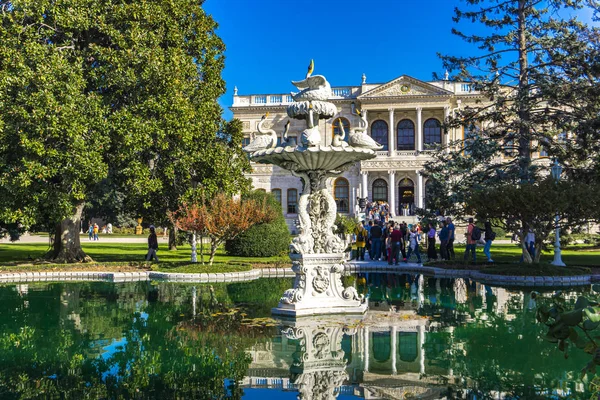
{"x":320,"y":279}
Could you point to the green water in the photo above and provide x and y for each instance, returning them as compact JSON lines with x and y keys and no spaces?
{"x":448,"y":338}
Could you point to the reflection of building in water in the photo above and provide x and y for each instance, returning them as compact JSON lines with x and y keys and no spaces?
{"x":412,"y":341}
{"x":382,"y":357}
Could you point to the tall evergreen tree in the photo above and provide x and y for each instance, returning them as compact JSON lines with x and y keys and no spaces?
{"x":92,"y":87}
{"x":515,"y":70}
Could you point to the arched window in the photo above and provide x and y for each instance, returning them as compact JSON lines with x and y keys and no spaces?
{"x":341,"y":193}
{"x":406,"y":135}
{"x":379,"y":133}
{"x":292,"y":201}
{"x":432,"y":130}
{"x":408,"y":348}
{"x":261,"y":190}
{"x":380,"y":190}
{"x":406,"y":193}
{"x":277,"y":194}
{"x":382,"y":346}
{"x":336,"y":127}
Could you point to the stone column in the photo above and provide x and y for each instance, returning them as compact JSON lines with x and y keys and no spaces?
{"x":352,"y":194}
{"x":421,"y":349}
{"x":366,"y":347}
{"x":420,"y":191}
{"x":446,"y":137}
{"x":365,"y":188}
{"x":391,"y":134}
{"x":419,"y":129}
{"x":392,"y":188}
{"x":394,"y":349}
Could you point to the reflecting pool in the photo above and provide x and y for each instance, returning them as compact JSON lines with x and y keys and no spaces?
{"x":422,"y":338}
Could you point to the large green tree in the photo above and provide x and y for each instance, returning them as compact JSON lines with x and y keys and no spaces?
{"x":96,"y":89}
{"x":524,"y":68}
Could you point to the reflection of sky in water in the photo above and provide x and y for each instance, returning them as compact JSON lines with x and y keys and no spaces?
{"x":109,"y":351}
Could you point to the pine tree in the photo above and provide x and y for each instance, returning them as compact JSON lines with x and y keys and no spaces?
{"x":514,"y":118}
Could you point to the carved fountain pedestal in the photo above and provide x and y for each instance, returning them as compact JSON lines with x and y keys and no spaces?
{"x":318,"y":367}
{"x":317,"y":254}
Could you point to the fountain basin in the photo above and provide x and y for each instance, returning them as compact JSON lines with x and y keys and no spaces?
{"x":325,"y":158}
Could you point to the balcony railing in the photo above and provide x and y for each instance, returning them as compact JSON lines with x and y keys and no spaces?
{"x":406,"y":153}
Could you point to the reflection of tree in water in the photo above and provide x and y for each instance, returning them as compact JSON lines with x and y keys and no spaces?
{"x":498,"y":350}
{"x":135,"y":340}
{"x":483,"y":340}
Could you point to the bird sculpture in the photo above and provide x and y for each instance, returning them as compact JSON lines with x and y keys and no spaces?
{"x":358,"y":136}
{"x":266,"y":140}
{"x":312,"y":87}
{"x":338,"y":140}
{"x":284,"y":136}
{"x":311,"y":68}
{"x":311,"y":135}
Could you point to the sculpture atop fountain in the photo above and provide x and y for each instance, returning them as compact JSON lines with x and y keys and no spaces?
{"x":317,"y":253}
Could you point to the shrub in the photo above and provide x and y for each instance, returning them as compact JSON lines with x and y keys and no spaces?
{"x":262,"y":240}
{"x":344,"y":225}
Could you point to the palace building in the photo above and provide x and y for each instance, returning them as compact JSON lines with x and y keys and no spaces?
{"x":405,"y":115}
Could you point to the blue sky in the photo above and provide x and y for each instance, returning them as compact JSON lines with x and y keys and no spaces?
{"x":270,"y":42}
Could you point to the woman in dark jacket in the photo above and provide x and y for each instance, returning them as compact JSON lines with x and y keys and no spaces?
{"x":431,"y":253}
{"x":489,"y":238}
{"x":152,"y":245}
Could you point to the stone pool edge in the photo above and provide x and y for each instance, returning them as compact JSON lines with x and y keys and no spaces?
{"x":58,"y":276}
{"x":512,"y":280}
{"x":41,"y":276}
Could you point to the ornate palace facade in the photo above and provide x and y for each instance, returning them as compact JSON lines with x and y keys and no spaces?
{"x":405,"y":115}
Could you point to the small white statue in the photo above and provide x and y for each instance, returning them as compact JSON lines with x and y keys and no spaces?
{"x":266,"y":140}
{"x":338,"y":140}
{"x":358,"y":136}
{"x":311,"y":136}
{"x":312,"y":87}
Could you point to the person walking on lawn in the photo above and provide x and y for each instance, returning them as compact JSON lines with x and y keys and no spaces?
{"x":471,"y":240}
{"x":361,"y":240}
{"x":431,"y":253}
{"x":489,"y":237}
{"x":152,"y":245}
{"x":414,"y":240}
{"x":376,"y":234}
{"x":451,"y":231}
{"x":396,"y":240}
{"x":444,"y":234}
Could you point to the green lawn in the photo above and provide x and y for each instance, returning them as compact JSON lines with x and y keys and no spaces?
{"x":506,"y":253}
{"x":123,"y":252}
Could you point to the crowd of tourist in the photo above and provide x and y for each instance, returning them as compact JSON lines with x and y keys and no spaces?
{"x":384,"y":239}
{"x":377,"y":211}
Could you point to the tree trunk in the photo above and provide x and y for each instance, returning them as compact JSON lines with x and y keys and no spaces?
{"x":67,"y":247}
{"x":524,"y":142}
{"x":173,"y":238}
{"x":538,"y":253}
{"x":194,"y":254}
{"x":214,"y":245}
{"x":202,"y":249}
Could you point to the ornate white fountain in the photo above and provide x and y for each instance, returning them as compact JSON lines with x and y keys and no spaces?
{"x":317,"y":253}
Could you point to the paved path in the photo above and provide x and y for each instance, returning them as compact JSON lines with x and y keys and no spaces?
{"x":84,"y":239}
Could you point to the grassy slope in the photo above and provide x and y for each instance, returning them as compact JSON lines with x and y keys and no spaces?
{"x":128,"y":257}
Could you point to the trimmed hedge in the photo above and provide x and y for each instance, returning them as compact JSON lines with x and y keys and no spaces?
{"x":263,"y":240}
